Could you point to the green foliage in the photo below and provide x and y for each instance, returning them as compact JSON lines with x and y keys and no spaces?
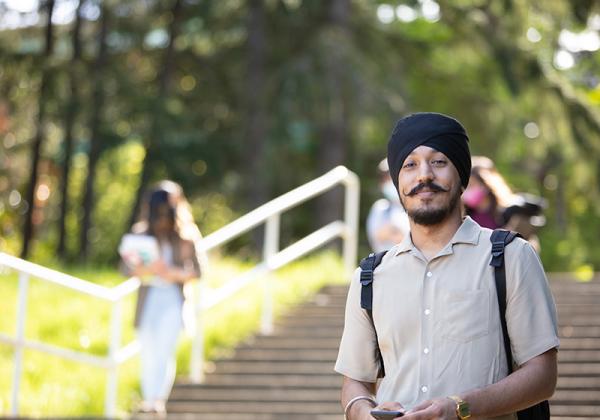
{"x":491,"y":64}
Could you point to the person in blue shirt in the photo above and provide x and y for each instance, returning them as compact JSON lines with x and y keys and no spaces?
{"x":387,"y":222}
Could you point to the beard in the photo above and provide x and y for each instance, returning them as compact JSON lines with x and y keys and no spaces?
{"x":433,"y":216}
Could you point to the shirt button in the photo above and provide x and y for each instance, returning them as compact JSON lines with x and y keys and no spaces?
{"x":426,"y":350}
{"x":424,"y":389}
{"x":427,"y":311}
{"x":429,"y":274}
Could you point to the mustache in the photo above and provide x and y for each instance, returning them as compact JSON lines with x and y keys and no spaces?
{"x":431,"y":186}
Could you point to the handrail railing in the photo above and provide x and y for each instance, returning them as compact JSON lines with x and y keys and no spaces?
{"x":273,"y":258}
{"x":110,"y":362}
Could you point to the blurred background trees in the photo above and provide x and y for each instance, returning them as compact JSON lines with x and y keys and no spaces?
{"x":242,"y":100}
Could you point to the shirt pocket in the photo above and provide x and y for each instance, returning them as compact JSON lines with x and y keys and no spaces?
{"x":465,"y":314}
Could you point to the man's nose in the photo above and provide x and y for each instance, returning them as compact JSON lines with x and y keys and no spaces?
{"x":425,"y":173}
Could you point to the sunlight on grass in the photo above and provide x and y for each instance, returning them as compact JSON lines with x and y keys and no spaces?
{"x":51,"y":386}
{"x":584,"y":273}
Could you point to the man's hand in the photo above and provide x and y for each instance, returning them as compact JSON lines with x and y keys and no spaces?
{"x":436,"y":409}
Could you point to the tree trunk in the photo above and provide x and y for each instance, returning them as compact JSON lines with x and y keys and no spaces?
{"x":70,"y":116}
{"x":334,"y":140}
{"x":95,"y":136}
{"x":28,"y":225}
{"x":256,"y":122}
{"x":155,"y":136}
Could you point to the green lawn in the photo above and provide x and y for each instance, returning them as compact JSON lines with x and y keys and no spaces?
{"x":51,"y":386}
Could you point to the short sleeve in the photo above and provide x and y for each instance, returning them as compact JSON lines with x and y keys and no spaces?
{"x":530,"y":312}
{"x":356,"y":356}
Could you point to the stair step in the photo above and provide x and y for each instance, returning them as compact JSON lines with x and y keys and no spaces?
{"x":589,"y":323}
{"x":570,"y":343}
{"x":305,"y":354}
{"x":302,"y":322}
{"x":570,"y":382}
{"x":329,"y":306}
{"x":220,"y":379}
{"x":576,"y":397}
{"x":576,"y":410}
{"x":565,"y":417}
{"x":570,"y":309}
{"x":256,"y":407}
{"x":330,"y":332}
{"x":284,"y":342}
{"x":272,"y":394}
{"x":580,"y":331}
{"x":568,"y":277}
{"x":274,"y":367}
{"x":243,"y":416}
{"x":564,"y":289}
{"x":578,"y":369}
{"x":579,"y":356}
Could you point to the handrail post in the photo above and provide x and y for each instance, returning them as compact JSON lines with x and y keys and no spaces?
{"x":351,"y":210}
{"x":112,"y":380}
{"x":270,"y":248}
{"x":20,"y":338}
{"x":197,"y":356}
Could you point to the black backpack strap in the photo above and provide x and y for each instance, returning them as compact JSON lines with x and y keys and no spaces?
{"x":367,"y":268}
{"x":500,"y":238}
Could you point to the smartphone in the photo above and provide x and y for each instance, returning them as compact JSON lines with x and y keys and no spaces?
{"x":386,"y":414}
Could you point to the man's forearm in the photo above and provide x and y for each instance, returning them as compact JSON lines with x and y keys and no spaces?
{"x":361,"y":408}
{"x":533,"y":382}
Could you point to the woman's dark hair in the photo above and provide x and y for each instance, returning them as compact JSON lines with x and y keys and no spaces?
{"x":167,"y":195}
{"x":476,"y":173}
{"x":159,"y":199}
{"x":485,"y":171}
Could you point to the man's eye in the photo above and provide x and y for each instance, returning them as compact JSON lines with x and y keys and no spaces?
{"x":439,"y":162}
{"x":408,"y":165}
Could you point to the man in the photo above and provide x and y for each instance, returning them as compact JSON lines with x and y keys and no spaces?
{"x":434,"y":300}
{"x":387,"y":222}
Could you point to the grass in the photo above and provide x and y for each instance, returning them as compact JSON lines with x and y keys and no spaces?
{"x":51,"y":386}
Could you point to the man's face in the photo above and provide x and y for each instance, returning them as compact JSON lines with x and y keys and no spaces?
{"x":429,"y":186}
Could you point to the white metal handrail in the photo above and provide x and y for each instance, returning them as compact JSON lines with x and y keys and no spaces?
{"x":116,"y":354}
{"x":273,"y":258}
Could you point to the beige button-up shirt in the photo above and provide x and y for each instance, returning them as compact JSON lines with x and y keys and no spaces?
{"x":438,"y":321}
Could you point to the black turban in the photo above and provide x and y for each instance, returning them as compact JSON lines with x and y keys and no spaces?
{"x":438,"y":131}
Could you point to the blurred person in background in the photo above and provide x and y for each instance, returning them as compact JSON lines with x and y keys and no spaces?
{"x":387,"y":222}
{"x":167,"y":220}
{"x":491,"y":203}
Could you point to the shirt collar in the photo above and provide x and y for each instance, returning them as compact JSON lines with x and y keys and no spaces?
{"x":467,"y":233}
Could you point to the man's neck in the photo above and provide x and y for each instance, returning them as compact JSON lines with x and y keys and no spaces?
{"x":431,"y":239}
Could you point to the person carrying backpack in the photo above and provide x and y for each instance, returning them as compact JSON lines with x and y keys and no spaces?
{"x":424,"y":322}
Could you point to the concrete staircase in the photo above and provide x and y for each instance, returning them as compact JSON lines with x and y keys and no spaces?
{"x":289,"y":375}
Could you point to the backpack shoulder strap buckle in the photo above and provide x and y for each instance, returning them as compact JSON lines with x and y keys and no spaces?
{"x":366,"y":276}
{"x":499,"y":240}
